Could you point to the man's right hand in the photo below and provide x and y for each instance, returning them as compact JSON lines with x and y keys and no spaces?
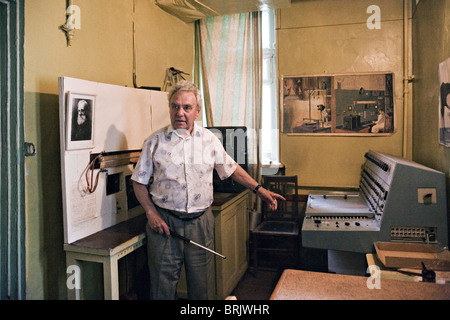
{"x":157,"y":224}
{"x":155,"y":221}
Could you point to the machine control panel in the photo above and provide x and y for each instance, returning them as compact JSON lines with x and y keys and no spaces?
{"x":397,"y":200}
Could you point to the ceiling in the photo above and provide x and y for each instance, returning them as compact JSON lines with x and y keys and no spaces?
{"x":191,"y":10}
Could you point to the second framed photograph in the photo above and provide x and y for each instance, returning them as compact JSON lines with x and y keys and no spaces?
{"x":444,"y":103}
{"x":338,"y":104}
{"x":80,"y":121}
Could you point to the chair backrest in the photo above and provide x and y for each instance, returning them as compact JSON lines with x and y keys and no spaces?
{"x":287,"y":187}
{"x":387,"y":124}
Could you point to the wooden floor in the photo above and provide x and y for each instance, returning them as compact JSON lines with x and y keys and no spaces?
{"x":256,"y":287}
{"x":252,"y":286}
{"x":260,"y":285}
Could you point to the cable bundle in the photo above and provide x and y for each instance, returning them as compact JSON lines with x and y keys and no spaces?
{"x":88,"y":174}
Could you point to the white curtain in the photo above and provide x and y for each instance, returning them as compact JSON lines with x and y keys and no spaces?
{"x":228,"y":69}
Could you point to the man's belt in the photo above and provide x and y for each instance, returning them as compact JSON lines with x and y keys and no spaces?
{"x":184,"y":215}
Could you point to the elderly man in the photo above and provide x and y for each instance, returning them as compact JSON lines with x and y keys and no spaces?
{"x":82,"y":127}
{"x":181,"y":158}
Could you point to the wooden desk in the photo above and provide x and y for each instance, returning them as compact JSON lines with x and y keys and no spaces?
{"x":230,"y":238}
{"x":405,"y":274}
{"x":230,"y":212}
{"x":306,"y":285}
{"x":107,"y":247}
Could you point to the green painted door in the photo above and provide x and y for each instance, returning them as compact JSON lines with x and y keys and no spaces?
{"x":12,"y":204}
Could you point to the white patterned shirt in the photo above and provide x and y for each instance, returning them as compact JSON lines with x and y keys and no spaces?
{"x":182,"y":168}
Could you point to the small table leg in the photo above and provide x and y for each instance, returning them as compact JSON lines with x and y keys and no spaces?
{"x":111,"y":279}
{"x":73,"y":282}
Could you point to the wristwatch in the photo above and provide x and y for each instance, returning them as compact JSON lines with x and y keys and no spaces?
{"x":256,"y":188}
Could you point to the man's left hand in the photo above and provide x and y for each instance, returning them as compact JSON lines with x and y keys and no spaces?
{"x":270,"y":197}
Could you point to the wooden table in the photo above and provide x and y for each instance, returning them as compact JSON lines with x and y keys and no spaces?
{"x":106,"y":247}
{"x":405,"y":274}
{"x":306,"y":285}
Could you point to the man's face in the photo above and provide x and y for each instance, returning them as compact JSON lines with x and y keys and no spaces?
{"x":81,"y":112}
{"x":183,"y":110}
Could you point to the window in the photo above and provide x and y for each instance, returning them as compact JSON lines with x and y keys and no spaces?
{"x":268,"y":133}
{"x":269,"y":112}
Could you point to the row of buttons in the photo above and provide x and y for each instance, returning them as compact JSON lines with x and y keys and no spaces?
{"x":382,"y":165}
{"x":318,"y":222}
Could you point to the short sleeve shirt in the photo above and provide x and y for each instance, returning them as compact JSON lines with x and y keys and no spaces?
{"x":182,"y":168}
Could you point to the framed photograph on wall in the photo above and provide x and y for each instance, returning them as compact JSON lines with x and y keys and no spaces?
{"x":338,"y":104}
{"x":80,"y":121}
{"x":444,"y":102}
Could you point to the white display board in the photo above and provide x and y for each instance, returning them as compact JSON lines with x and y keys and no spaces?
{"x":120,"y":118}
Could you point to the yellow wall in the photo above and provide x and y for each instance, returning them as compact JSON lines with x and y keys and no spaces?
{"x":430,"y":17}
{"x":326,"y":37}
{"x":101,"y":51}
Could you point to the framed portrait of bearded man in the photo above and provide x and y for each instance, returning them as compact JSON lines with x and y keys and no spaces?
{"x":79,"y":121}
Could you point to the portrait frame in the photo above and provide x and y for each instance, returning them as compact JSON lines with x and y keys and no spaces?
{"x":79,"y":133}
{"x":444,"y":103}
{"x":354,"y":104}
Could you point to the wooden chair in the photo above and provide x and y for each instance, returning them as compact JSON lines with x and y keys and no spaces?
{"x":278,"y":232}
{"x":387,"y":124}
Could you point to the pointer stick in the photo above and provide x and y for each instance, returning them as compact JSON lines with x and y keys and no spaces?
{"x":176,"y":235}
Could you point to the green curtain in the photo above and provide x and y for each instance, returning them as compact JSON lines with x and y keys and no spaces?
{"x":228,"y":70}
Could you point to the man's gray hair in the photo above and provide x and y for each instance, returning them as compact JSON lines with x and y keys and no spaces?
{"x":186,"y":86}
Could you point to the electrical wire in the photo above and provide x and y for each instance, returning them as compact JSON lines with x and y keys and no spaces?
{"x":88,"y":174}
{"x":90,"y":183}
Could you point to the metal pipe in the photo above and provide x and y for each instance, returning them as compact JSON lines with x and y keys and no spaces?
{"x":406,"y":80}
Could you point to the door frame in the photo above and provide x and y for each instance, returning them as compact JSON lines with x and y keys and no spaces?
{"x":12,"y":177}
